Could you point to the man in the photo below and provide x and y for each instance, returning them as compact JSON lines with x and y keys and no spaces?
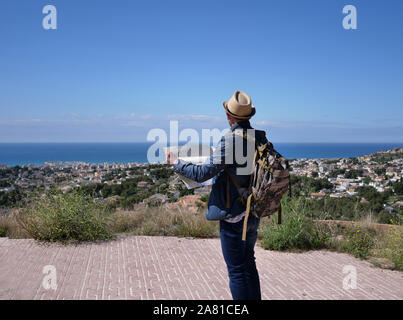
{"x":224,"y":203}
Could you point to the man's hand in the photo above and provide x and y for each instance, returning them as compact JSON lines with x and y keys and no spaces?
{"x":171,"y":158}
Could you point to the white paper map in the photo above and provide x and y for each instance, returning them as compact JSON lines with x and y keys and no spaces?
{"x":193,"y":154}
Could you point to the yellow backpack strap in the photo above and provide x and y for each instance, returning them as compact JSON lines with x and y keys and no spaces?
{"x":229,"y":176}
{"x":245,"y":221}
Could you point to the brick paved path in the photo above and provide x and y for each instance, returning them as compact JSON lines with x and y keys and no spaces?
{"x":178,"y":268}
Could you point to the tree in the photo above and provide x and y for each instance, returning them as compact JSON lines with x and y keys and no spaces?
{"x":398,"y":187}
{"x":12,"y":198}
{"x":336,"y":172}
{"x":380,"y":171}
{"x":376,"y":199}
{"x":4,"y":184}
{"x":367,"y":192}
{"x":353,"y":174}
{"x":353,"y":160}
{"x":367,"y":180}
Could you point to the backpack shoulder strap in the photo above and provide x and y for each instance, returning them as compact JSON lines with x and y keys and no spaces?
{"x":230,"y":178}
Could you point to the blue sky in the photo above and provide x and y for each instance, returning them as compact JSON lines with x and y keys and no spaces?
{"x":113,"y":70}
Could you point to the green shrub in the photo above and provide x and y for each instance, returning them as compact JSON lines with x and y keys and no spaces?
{"x":390,"y":247}
{"x":205,"y":197}
{"x":66,"y":217}
{"x":358,"y":242}
{"x":297,"y":231}
{"x":387,"y":218}
{"x":2,"y":233}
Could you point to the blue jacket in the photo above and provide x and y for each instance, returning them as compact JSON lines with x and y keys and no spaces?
{"x":223,"y":157}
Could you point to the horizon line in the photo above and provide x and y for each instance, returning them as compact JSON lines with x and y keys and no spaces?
{"x":151,"y":142}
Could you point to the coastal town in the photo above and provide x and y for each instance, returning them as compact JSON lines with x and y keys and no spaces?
{"x":156,"y":184}
{"x":347,"y":174}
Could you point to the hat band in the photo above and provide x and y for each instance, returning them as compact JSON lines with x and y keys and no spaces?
{"x":237,"y":116}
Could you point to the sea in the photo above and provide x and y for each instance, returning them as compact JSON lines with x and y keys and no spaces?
{"x":12,"y":154}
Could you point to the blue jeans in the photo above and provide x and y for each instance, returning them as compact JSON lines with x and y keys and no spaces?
{"x":240,"y":258}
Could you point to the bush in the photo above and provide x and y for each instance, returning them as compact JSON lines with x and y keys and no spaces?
{"x":359,"y":242}
{"x":390,"y":247}
{"x":66,"y":217}
{"x":205,"y":197}
{"x":387,"y":218}
{"x":297,"y":230}
{"x":2,"y":233}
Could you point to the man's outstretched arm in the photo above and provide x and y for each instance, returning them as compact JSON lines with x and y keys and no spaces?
{"x":205,"y":171}
{"x":197,"y":172}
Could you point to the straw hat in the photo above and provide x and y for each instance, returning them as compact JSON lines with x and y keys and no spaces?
{"x":240,"y":106}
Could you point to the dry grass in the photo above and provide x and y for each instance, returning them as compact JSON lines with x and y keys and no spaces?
{"x":11,"y":227}
{"x":367,"y":223}
{"x":163,"y":222}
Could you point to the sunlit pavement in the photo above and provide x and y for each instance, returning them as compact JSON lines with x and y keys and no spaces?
{"x":139,"y":267}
